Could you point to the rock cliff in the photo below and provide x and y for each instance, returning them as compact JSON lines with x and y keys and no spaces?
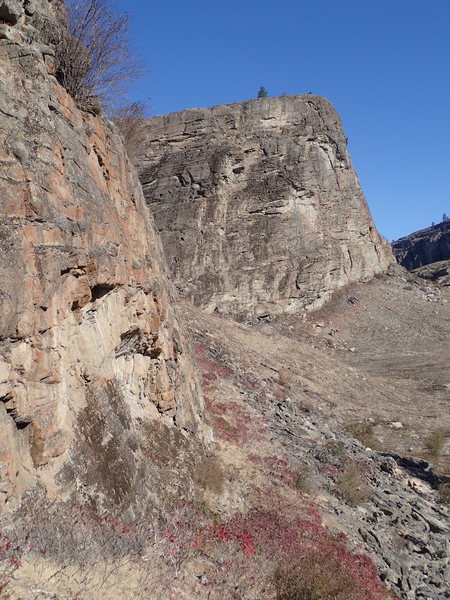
{"x":90,"y":350}
{"x":258,"y":205}
{"x":100,"y":405}
{"x":424,"y":247}
{"x":439,"y":272}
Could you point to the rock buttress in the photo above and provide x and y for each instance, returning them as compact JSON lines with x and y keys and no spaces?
{"x":90,"y":349}
{"x":258,"y":205}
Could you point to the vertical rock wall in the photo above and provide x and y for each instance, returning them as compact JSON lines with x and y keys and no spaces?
{"x":258,"y":205}
{"x":90,"y":348}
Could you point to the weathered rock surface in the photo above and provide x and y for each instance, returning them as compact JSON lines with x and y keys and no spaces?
{"x":258,"y":205}
{"x":90,"y":349}
{"x":424,"y":247}
{"x":439,"y":272}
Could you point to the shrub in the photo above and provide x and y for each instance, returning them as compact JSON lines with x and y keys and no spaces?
{"x":363,"y":431}
{"x":332,"y":450}
{"x":444,"y":493}
{"x":93,"y":57}
{"x":435,"y":442}
{"x":283,"y":376}
{"x":158,"y":555}
{"x":10,"y":560}
{"x":209,"y":475}
{"x":337,"y":448}
{"x":315,"y":578}
{"x":303,"y":480}
{"x":351,"y":485}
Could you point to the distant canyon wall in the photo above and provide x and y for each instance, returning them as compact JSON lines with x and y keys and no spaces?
{"x":424,"y":247}
{"x":258,"y":206}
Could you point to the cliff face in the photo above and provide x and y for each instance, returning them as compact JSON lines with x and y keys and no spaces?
{"x":90,"y":350}
{"x":99,"y":403}
{"x":258,"y":205}
{"x":424,"y":247}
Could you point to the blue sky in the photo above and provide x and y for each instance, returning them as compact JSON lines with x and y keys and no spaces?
{"x":383,"y":64}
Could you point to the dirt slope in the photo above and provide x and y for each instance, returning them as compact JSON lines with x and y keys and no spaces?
{"x":379,"y":350}
{"x":373,"y":361}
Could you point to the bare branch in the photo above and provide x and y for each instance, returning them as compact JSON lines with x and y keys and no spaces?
{"x":128,"y":120}
{"x":94,"y":60}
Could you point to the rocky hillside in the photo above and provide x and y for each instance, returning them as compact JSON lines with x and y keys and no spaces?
{"x":286,"y":477}
{"x":151,"y":450}
{"x":438,"y":272}
{"x":280,"y":394}
{"x":258,"y":206}
{"x":430,"y":245}
{"x":91,"y":353}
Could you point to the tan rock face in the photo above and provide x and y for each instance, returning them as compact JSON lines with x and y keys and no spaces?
{"x":258,"y":205}
{"x":90,"y":349}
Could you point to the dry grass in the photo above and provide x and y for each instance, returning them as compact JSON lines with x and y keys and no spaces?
{"x":444,"y":493}
{"x":303,"y":480}
{"x":363,"y":431}
{"x":315,"y":578}
{"x":209,"y":476}
{"x":435,"y":442}
{"x":351,"y":485}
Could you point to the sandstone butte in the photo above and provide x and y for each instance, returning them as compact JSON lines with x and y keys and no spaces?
{"x":258,"y":205}
{"x":180,"y":373}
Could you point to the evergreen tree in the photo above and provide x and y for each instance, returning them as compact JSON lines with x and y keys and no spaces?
{"x":444,"y":217}
{"x":262,"y":92}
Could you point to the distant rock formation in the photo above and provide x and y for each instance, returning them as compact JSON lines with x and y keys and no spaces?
{"x":258,"y":206}
{"x":439,"y":272}
{"x":90,"y":349}
{"x":424,"y":247}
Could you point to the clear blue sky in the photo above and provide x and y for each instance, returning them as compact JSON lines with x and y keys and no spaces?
{"x":384,"y":64}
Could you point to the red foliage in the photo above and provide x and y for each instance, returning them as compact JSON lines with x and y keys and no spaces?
{"x":234,"y":422}
{"x":11,"y":552}
{"x":236,"y":546}
{"x":210,"y":367}
{"x":276,"y":466}
{"x":294,"y":539}
{"x":331,"y":470}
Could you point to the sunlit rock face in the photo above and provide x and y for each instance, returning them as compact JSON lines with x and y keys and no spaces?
{"x":90,"y":349}
{"x":258,"y":205}
{"x":424,"y":247}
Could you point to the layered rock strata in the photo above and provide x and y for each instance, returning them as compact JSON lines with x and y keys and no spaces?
{"x":258,"y":206}
{"x":424,"y":247}
{"x":90,"y":349}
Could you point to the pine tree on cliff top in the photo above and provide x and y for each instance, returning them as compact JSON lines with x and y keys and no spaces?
{"x":262,"y":92}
